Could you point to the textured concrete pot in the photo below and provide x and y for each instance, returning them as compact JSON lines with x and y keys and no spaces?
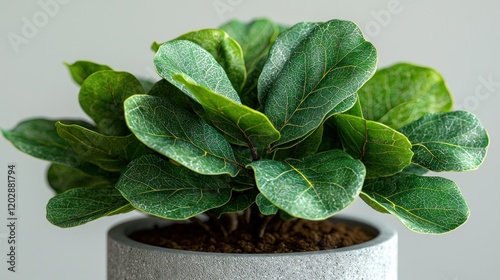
{"x":129,"y":259}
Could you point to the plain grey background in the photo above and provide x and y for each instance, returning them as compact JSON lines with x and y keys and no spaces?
{"x":459,"y":39}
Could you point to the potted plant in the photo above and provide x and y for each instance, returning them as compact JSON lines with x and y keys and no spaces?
{"x":257,"y":126}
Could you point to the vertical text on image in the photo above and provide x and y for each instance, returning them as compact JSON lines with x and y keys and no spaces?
{"x":12,"y":225}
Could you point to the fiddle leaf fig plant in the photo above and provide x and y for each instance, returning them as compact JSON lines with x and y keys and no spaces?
{"x":261,"y":122}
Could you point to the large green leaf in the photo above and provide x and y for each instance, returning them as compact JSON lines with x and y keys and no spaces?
{"x":225,"y":50}
{"x":62,"y":178}
{"x":423,"y":204}
{"x":280,"y":53}
{"x":79,"y":206}
{"x":160,"y":188}
{"x":383,"y":150}
{"x":403,"y":93}
{"x":179,"y":134}
{"x":111,"y":153}
{"x":315,"y":187}
{"x":243,"y":125}
{"x":102,"y":95}
{"x":181,"y":57}
{"x":255,"y":39}
{"x":81,"y":69}
{"x":454,"y":141}
{"x":39,"y":138}
{"x":319,"y":79}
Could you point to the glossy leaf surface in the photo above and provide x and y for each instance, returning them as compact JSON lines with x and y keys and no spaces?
{"x":401,"y":94}
{"x":182,"y":57}
{"x":102,"y":95}
{"x":255,"y":39}
{"x":314,"y":187}
{"x":280,"y":53}
{"x":225,"y":50}
{"x":319,"y":78}
{"x":79,"y":206}
{"x":244,"y":125}
{"x":160,"y":188}
{"x":111,"y":153}
{"x":423,"y":204}
{"x":383,"y":150}
{"x":81,"y":69}
{"x":178,"y":134}
{"x":62,"y":178}
{"x":454,"y":141}
{"x":39,"y":138}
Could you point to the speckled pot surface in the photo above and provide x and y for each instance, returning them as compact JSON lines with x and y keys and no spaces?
{"x":129,"y":259}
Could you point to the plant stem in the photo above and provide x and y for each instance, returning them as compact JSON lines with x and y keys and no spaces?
{"x":219,"y":224}
{"x":246,"y":216}
{"x":232,"y":221}
{"x":253,"y":150}
{"x":202,"y":225}
{"x":263,"y":225}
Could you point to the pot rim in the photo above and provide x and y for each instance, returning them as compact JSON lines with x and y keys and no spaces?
{"x":120,"y":233}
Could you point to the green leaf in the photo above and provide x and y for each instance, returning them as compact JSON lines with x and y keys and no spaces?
{"x":266,"y":207}
{"x":102,"y":95}
{"x":244,"y":125}
{"x":157,"y":187}
{"x":319,"y":79}
{"x":356,"y":110}
{"x":403,"y":93}
{"x":79,"y":206}
{"x":315,"y":187}
{"x":454,"y":141}
{"x":81,"y":69}
{"x":415,"y":169}
{"x":181,"y":57}
{"x":383,"y":150}
{"x":239,"y":201}
{"x":38,"y":138}
{"x":279,"y":55}
{"x":62,"y":178}
{"x":423,"y":204}
{"x":308,"y":146}
{"x":179,"y":134}
{"x":255,"y":39}
{"x":111,"y":153}
{"x":225,"y":50}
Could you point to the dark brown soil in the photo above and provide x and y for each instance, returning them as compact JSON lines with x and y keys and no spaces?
{"x":293,"y":236}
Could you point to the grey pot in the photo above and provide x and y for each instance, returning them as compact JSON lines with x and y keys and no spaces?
{"x":129,"y":259}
